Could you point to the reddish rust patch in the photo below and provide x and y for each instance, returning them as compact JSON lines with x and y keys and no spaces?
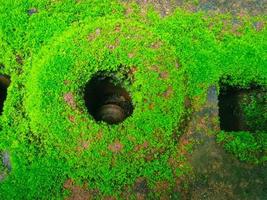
{"x":68,"y":184}
{"x":242,"y":13}
{"x":191,"y":7}
{"x":167,"y":94}
{"x":187,"y":102}
{"x":141,"y":146}
{"x":85,"y":144}
{"x":154,"y":68}
{"x":82,"y":146}
{"x":172,"y":162}
{"x":140,"y":196}
{"x":92,"y":36}
{"x":145,"y":144}
{"x":130,"y":55}
{"x":132,"y":72}
{"x":116,"y":147}
{"x":202,"y":124}
{"x":126,"y":193}
{"x":183,"y":144}
{"x":72,"y":118}
{"x":128,"y":10}
{"x":164,"y":75}
{"x":66,"y":82}
{"x":77,"y":192}
{"x":151,"y":106}
{"x":99,"y":135}
{"x":149,"y":157}
{"x":114,"y":45}
{"x":69,"y":99}
{"x":156,"y":45}
{"x":162,"y":186}
{"x":110,"y":198}
{"x":117,"y":28}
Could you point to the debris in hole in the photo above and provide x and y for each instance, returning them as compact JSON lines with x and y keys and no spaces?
{"x":111,"y":113}
{"x":106,"y":101}
{"x":4,"y":83}
{"x":243,"y":109}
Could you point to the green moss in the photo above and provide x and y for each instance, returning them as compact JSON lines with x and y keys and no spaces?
{"x":248,"y":142}
{"x":246,"y":146}
{"x":84,"y":53}
{"x":255,"y":110}
{"x":45,"y":124}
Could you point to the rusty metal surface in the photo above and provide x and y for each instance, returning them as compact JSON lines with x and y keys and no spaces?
{"x":111,"y":113}
{"x":235,"y":7}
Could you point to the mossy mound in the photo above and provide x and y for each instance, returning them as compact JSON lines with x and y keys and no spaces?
{"x":108,"y":157}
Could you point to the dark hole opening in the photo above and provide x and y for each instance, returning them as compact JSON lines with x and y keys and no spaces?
{"x":242,"y":109}
{"x":4,"y":83}
{"x":106,"y":101}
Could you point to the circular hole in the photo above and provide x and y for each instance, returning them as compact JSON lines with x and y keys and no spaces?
{"x":106,"y":101}
{"x":4,"y":83}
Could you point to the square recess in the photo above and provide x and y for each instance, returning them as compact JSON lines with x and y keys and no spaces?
{"x":242,"y":109}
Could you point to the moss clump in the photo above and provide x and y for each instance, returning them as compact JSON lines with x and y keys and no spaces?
{"x":255,"y":110}
{"x":108,"y":157}
{"x":246,"y":146}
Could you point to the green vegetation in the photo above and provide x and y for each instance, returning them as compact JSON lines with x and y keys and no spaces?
{"x":255,"y":110}
{"x":245,"y":146}
{"x":248,"y":141}
{"x":51,"y":49}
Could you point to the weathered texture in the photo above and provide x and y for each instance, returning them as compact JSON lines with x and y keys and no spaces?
{"x":251,"y":7}
{"x":217,"y":174}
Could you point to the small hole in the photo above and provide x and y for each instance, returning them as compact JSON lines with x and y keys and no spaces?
{"x":242,"y":109}
{"x":4,"y":83}
{"x":106,"y":101}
